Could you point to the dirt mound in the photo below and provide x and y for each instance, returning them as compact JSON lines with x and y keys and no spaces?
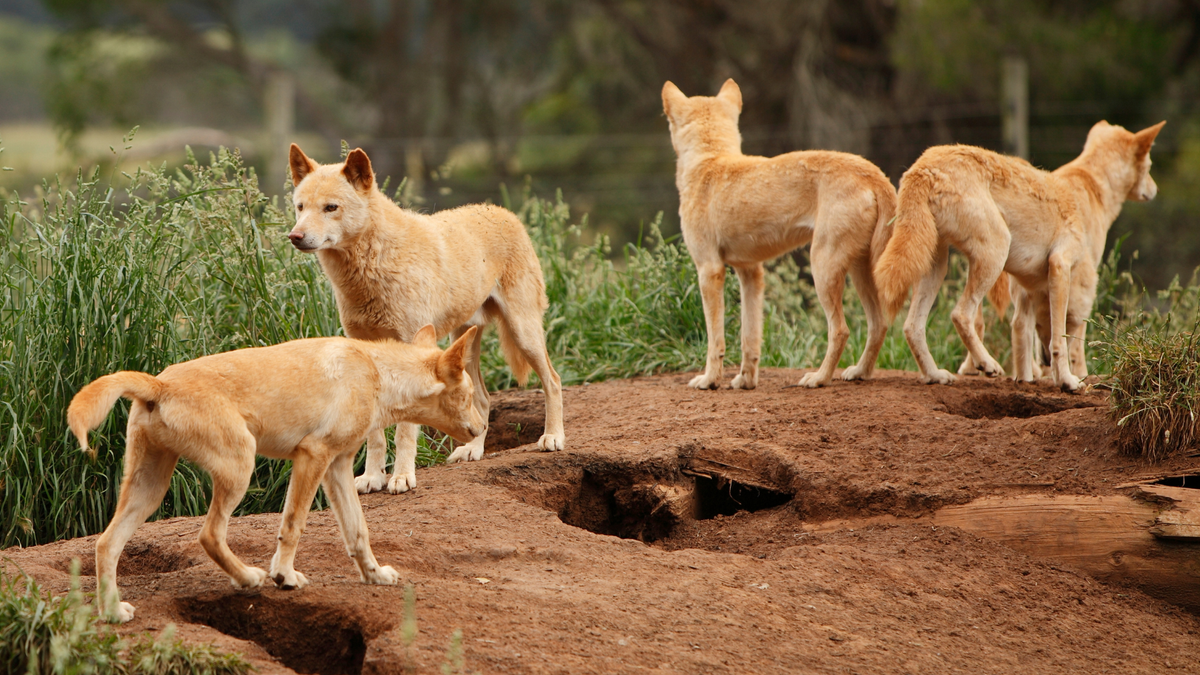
{"x":775,"y":530}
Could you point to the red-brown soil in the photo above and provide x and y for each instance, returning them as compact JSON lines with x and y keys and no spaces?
{"x":687,"y":531}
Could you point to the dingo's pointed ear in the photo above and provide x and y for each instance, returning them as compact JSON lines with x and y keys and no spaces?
{"x":300,"y":163}
{"x":454,"y":360}
{"x":426,"y":337}
{"x":732,"y":93}
{"x":672,"y":97}
{"x":358,"y":171}
{"x":1144,"y":139}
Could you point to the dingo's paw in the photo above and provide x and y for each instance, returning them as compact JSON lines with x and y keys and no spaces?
{"x":368,"y":483}
{"x":122,"y":613}
{"x":855,"y":372}
{"x":1071,"y":384}
{"x":552,"y":442}
{"x":704,"y":382}
{"x":468,"y":452}
{"x":939,"y":376}
{"x":992,"y":368}
{"x":255,"y":576}
{"x":968,"y":367}
{"x":292,"y":581}
{"x":743,"y":382}
{"x":402,"y":482}
{"x":382,"y":576}
{"x":813,"y":380}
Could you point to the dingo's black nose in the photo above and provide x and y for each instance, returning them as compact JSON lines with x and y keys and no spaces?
{"x":296,"y":236}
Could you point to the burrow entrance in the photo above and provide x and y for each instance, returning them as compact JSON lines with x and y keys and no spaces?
{"x":140,"y":558}
{"x":1192,"y":481}
{"x":306,"y":638}
{"x":998,"y":405}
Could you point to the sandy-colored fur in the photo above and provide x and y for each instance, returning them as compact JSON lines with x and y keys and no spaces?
{"x":394,"y":271}
{"x":311,"y":401}
{"x":1045,"y":229}
{"x":742,"y":210}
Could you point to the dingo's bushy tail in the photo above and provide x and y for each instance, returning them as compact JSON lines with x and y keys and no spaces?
{"x":885,"y":204}
{"x":93,"y":403}
{"x":914,"y":239}
{"x":1000,"y":295}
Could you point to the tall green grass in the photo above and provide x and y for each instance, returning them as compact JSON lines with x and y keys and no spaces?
{"x":139,"y":271}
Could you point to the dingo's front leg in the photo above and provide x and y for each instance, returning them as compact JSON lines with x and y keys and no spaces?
{"x":712,"y":295}
{"x":374,"y":475}
{"x":1060,"y":289}
{"x":338,"y":482}
{"x":404,"y":470}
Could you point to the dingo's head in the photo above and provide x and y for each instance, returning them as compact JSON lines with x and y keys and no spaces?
{"x":332,"y":201}
{"x":704,"y":124}
{"x":449,"y":404}
{"x":1128,"y":157}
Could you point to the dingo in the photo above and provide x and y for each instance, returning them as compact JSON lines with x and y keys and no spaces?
{"x":311,"y":401}
{"x":394,"y":271}
{"x":1046,"y":229}
{"x":742,"y":210}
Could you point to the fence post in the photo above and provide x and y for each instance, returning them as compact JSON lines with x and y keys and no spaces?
{"x":279,"y":103}
{"x":1014,"y":101}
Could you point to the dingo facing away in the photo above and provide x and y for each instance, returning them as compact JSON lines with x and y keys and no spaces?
{"x":311,"y":401}
{"x":1046,"y":229}
{"x":741,"y":211}
{"x":394,"y":271}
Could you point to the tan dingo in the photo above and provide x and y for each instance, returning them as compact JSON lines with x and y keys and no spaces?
{"x":394,"y":271}
{"x":1046,"y":229}
{"x":741,"y":211}
{"x":311,"y":401}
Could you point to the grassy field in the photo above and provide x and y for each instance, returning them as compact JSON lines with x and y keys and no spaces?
{"x":138,"y":271}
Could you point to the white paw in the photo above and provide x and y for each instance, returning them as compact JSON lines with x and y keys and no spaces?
{"x":552,"y":442}
{"x":992,"y":368}
{"x":368,"y":483}
{"x":255,"y":577}
{"x":855,"y":372}
{"x":968,"y":367}
{"x":402,"y":482}
{"x":743,"y":382}
{"x":468,"y":452}
{"x":382,"y":576}
{"x":290,"y":581}
{"x":939,"y":376}
{"x":813,"y":380}
{"x":1070,"y":383}
{"x":704,"y":382}
{"x":122,"y":614}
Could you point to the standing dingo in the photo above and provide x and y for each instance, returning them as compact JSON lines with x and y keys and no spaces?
{"x":311,"y":401}
{"x":741,"y":210}
{"x":394,"y":271}
{"x":1046,"y":229}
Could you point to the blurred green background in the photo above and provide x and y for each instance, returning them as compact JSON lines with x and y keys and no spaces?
{"x":461,"y":96}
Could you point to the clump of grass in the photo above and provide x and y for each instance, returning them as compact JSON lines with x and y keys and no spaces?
{"x":44,"y":635}
{"x":1155,"y":385}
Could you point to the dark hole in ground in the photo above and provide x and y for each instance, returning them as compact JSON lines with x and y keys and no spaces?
{"x":996,"y":406}
{"x":719,"y":495}
{"x":305,"y":638}
{"x":640,"y":511}
{"x":1192,"y":481}
{"x":138,"y":559}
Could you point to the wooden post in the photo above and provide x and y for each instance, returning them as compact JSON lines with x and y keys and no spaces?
{"x":279,"y":104}
{"x":1014,"y":101}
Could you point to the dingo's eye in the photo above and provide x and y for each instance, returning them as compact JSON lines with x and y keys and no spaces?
{"x":330,"y":208}
{"x":299,"y":207}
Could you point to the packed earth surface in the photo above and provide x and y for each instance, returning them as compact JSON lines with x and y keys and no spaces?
{"x":777,"y":530}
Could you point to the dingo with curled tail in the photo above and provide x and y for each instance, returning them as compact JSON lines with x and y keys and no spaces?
{"x":394,"y":271}
{"x":1045,"y":229}
{"x":311,"y":401}
{"x":742,"y":210}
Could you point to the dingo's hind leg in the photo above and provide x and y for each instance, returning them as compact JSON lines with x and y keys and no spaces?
{"x":147,"y":476}
{"x":339,"y":488}
{"x":829,"y":267}
{"x":751,"y":281}
{"x":308,"y":467}
{"x":864,"y":284}
{"x":712,"y":297}
{"x":924,"y":295}
{"x":230,"y":470}
{"x":987,"y":252}
{"x":525,"y":329}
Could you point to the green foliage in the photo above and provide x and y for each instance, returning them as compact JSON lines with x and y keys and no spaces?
{"x":43,"y":635}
